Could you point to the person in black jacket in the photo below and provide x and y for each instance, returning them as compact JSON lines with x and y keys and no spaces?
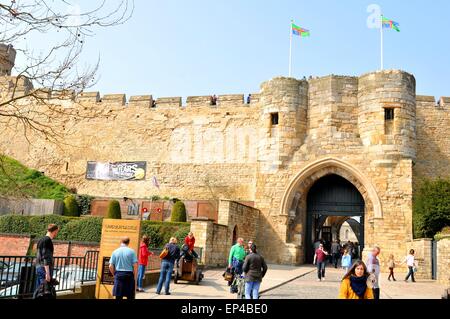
{"x":167,"y":264}
{"x":44,"y":256}
{"x":255,"y":269}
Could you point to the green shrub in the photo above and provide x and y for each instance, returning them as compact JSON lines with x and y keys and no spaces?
{"x":152,"y":231}
{"x":431,"y":207}
{"x":181,"y":234}
{"x":84,"y":204}
{"x":71,"y":207}
{"x":178,"y":212}
{"x":38,"y":224}
{"x":82,"y":229}
{"x":161,"y":232}
{"x":14,"y":224}
{"x":114,"y":210}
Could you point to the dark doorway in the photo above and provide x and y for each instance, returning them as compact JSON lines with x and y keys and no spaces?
{"x":331,"y":195}
{"x":235,"y":235}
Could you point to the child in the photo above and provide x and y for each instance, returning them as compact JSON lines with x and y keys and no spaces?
{"x":391,"y":265}
{"x":346,"y":261}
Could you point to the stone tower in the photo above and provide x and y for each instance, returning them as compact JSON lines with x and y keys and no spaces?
{"x":284,"y":104}
{"x":7,"y":59}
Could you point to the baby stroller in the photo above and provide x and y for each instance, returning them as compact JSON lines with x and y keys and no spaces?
{"x":238,"y":286}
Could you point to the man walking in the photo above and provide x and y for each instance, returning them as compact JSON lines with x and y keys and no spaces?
{"x":335,"y":252}
{"x":123,"y":265}
{"x":320,"y":259}
{"x":167,"y":264}
{"x":255,"y":269}
{"x":373,"y":267}
{"x":236,"y":257}
{"x":44,"y":256}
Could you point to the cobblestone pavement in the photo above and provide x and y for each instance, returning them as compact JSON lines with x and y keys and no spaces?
{"x":308,"y":287}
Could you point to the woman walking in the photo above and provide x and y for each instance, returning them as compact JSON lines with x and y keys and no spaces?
{"x":411,"y":263}
{"x":391,"y":265}
{"x":144,"y":253}
{"x":346,"y":261}
{"x":354,"y":283}
{"x":170,"y":255}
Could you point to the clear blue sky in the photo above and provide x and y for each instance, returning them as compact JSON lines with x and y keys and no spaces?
{"x":201,"y":47}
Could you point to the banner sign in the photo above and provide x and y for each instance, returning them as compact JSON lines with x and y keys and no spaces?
{"x":119,"y":171}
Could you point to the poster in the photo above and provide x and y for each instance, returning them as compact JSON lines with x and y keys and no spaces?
{"x":118,"y":171}
{"x":112,"y":232}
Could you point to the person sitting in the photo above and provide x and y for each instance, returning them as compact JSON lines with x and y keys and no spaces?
{"x":186,"y":254}
{"x":190,"y":242}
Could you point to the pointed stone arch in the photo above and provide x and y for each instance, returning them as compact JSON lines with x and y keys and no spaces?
{"x":302,"y":182}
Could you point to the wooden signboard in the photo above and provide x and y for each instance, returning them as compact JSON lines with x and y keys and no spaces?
{"x":112,"y":231}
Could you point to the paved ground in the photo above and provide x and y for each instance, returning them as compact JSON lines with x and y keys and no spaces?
{"x":285,"y":282}
{"x":308,"y":287}
{"x":213,"y":285}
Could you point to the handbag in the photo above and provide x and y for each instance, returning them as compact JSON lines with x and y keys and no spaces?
{"x":164,"y":253}
{"x":227,"y":275}
{"x":371,"y":281}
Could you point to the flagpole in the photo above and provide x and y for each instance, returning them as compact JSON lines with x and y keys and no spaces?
{"x":382,"y":43}
{"x":290,"y":48}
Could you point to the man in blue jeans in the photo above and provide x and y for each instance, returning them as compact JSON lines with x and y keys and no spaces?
{"x":167,"y":264}
{"x":44,"y":256}
{"x":255,"y":269}
{"x":320,"y":260}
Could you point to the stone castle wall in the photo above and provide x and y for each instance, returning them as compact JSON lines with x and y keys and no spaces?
{"x":328,"y":125}
{"x":433,"y":142}
{"x":443,"y":261}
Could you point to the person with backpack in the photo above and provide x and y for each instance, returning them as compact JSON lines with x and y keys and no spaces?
{"x":255,"y":269}
{"x":44,"y":263}
{"x":169,"y":256}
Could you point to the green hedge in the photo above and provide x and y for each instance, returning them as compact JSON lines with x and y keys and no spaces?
{"x":14,"y":224}
{"x":82,"y":229}
{"x":161,"y":232}
{"x":88,"y":228}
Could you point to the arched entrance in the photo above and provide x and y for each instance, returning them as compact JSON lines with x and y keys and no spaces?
{"x":331,"y":201}
{"x":294,"y":204}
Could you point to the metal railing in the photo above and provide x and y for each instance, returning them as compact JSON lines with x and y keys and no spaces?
{"x":18,"y":274}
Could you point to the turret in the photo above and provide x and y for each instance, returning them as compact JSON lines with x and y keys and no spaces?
{"x":284,"y":103}
{"x":7,"y":59}
{"x":387,"y":113}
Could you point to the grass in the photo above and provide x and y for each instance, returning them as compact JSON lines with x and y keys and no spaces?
{"x":17,"y":180}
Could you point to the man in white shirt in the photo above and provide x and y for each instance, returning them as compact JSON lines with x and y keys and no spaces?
{"x":373,"y":267}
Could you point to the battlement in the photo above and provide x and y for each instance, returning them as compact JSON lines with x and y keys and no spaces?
{"x":7,"y":59}
{"x":337,"y":84}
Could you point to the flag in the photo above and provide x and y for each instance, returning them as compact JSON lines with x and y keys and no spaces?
{"x":296,"y":30}
{"x":155,"y":182}
{"x":390,"y":24}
